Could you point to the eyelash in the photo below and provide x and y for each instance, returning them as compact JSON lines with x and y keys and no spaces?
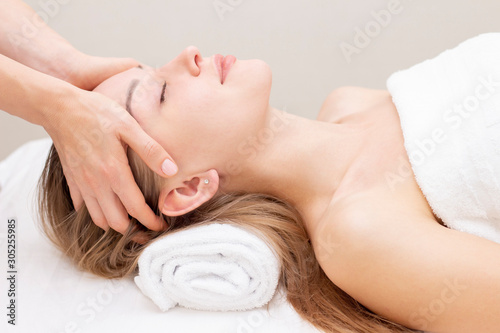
{"x":162,"y":98}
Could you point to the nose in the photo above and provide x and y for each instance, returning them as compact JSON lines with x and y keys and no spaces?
{"x":187,"y":59}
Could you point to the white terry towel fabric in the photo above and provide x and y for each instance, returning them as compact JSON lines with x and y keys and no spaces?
{"x":449,"y":108}
{"x":214,"y":267}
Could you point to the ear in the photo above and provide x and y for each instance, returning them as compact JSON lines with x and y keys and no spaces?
{"x":180,"y":199}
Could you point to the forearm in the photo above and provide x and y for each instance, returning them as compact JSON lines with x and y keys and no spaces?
{"x":31,"y":95}
{"x":26,"y":38}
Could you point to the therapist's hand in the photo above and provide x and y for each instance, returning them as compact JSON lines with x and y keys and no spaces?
{"x":87,"y":72}
{"x":90,"y":131}
{"x":91,"y":134}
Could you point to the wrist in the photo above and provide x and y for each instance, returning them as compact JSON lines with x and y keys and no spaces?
{"x":69,"y":67}
{"x":53,"y":101}
{"x":72,"y":66}
{"x":32,"y":95}
{"x":80,"y":73}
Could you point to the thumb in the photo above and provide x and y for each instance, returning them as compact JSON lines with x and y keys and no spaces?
{"x":150,"y":151}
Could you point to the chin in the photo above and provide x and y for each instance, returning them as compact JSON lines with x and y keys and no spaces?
{"x":263,"y":71}
{"x":258,"y":77}
{"x":252,"y":73}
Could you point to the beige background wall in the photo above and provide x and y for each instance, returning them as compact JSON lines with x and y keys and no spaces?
{"x":302,"y":40}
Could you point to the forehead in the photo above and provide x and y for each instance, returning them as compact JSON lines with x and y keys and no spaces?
{"x":117,"y":87}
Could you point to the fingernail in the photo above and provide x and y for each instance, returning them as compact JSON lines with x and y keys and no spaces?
{"x":169,"y":168}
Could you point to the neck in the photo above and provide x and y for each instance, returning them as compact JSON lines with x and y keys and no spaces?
{"x":295,"y":159}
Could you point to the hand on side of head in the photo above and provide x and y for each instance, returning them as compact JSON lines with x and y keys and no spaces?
{"x":91,"y":133}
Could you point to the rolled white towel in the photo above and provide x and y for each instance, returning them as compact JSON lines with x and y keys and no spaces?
{"x":215,"y":267}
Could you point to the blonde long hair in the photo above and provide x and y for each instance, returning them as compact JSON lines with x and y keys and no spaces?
{"x":111,"y":255}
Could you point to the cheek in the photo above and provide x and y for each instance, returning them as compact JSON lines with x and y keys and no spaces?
{"x":195,"y":101}
{"x":178,"y":136}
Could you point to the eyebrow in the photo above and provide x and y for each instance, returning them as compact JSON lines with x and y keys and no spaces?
{"x":130,"y":92}
{"x":162,"y":99}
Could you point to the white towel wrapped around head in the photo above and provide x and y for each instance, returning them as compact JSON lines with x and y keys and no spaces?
{"x":215,"y":267}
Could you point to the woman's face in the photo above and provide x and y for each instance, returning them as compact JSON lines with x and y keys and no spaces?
{"x":186,"y":107}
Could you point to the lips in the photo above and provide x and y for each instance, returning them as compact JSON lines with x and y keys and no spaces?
{"x":223,"y":65}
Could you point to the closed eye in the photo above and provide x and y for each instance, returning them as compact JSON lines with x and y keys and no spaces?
{"x":162,"y":98}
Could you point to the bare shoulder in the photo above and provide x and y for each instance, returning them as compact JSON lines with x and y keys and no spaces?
{"x":404,"y":266}
{"x":348,"y":100}
{"x":359,"y":222}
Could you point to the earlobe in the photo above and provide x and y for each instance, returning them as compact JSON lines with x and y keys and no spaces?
{"x":190,"y":194}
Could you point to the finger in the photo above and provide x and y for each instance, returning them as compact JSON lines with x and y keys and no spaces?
{"x":100,"y":68}
{"x":132,"y":198}
{"x":115,"y":213}
{"x":141,"y":237}
{"x":150,"y":151}
{"x":96,"y":213}
{"x":112,"y":66}
{"x":74,"y":192}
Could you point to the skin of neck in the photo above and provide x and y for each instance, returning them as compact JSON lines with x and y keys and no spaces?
{"x":296,"y":159}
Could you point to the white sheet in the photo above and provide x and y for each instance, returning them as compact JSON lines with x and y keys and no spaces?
{"x":53,"y":296}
